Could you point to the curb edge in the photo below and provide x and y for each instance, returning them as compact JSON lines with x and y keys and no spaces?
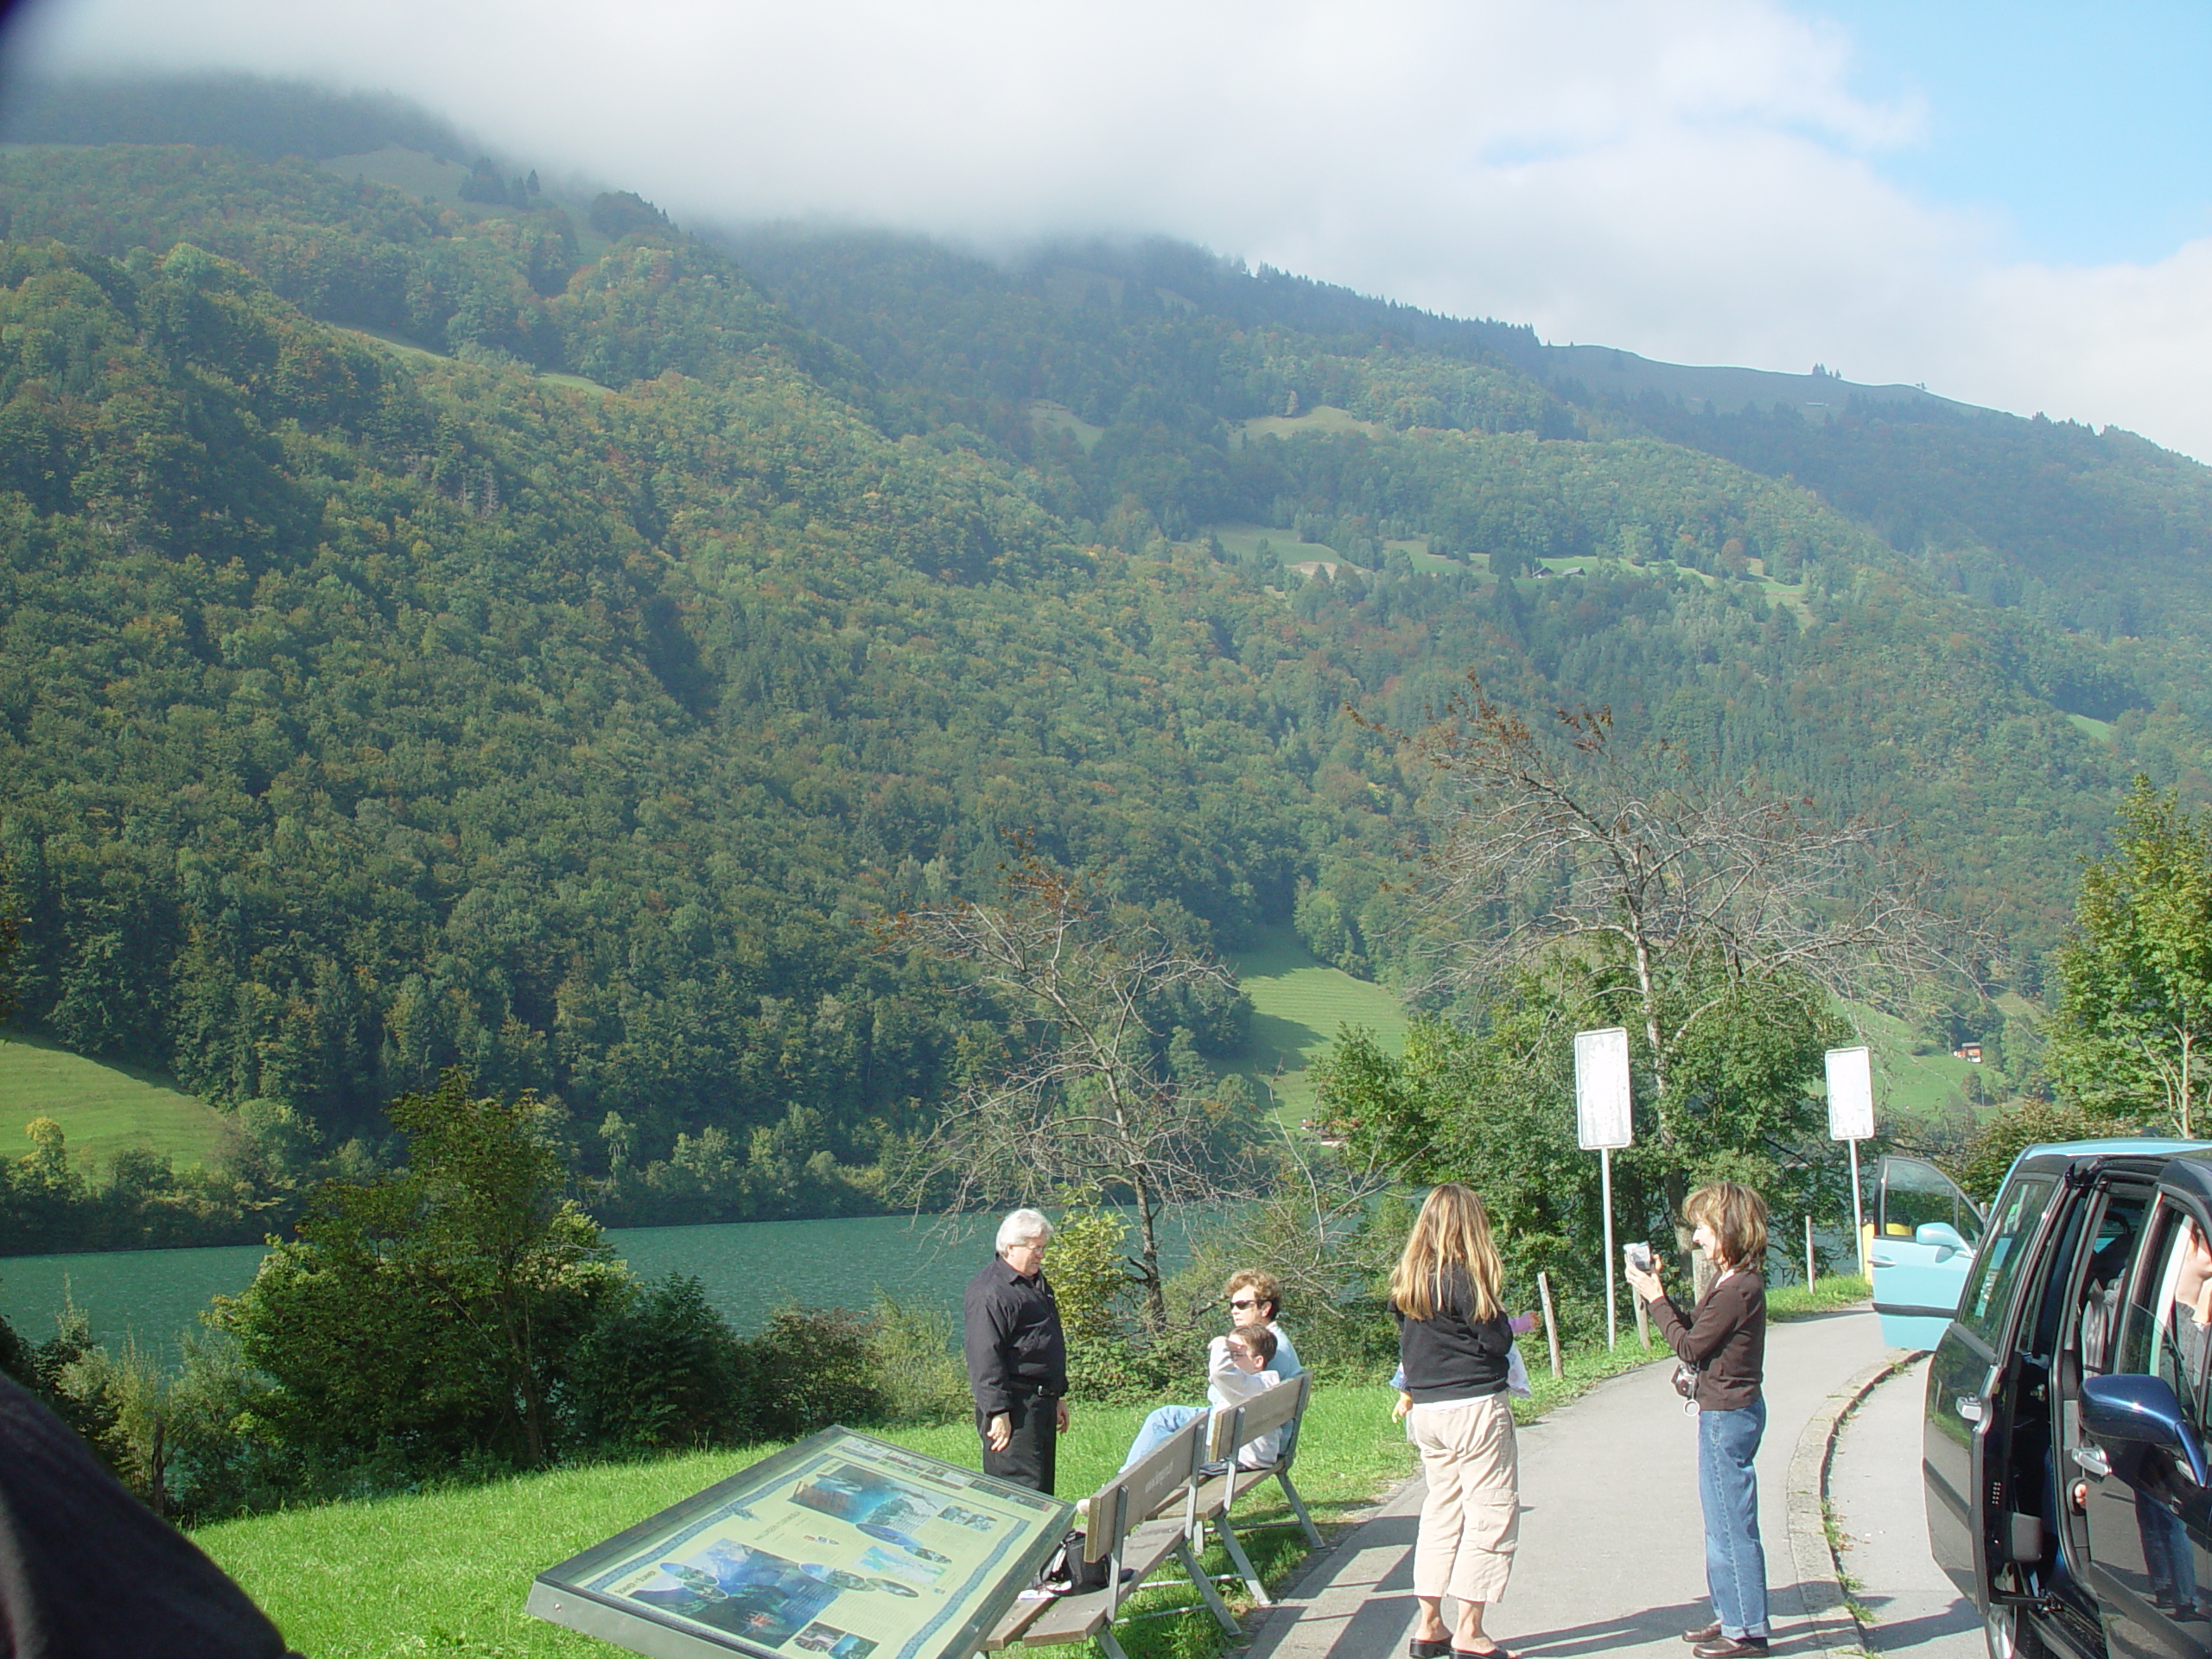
{"x":1828,"y":1621}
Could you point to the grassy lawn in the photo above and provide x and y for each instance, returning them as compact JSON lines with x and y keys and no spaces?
{"x":102,"y":1108}
{"x":447,"y":1572}
{"x":1298,"y":1004}
{"x":405,"y":169}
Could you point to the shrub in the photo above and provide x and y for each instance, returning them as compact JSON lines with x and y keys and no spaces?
{"x":919,"y":1367}
{"x":660,"y":1370}
{"x":811,"y":1367}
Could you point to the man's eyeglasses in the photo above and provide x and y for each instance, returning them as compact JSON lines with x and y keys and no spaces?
{"x":1249,"y":1302}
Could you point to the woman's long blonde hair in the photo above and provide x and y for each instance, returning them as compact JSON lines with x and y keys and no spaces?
{"x":1451,"y":1232}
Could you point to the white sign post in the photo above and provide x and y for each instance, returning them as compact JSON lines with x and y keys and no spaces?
{"x":1851,"y":1117}
{"x":1602,"y":1103}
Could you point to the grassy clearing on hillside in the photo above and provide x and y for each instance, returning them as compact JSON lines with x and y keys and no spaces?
{"x":1299,"y":1003}
{"x":1905,"y":1083}
{"x":102,"y":1108}
{"x":405,"y":169}
{"x":1242,"y":541}
{"x":1323,"y":417}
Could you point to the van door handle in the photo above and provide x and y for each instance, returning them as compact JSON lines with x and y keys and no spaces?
{"x":1970,"y":1407}
{"x":2092,"y":1461}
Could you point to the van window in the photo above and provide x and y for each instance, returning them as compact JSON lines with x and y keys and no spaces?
{"x":2019,"y":1207}
{"x":1915,"y":1192}
{"x":2104,"y":1275}
{"x":2168,"y":1331}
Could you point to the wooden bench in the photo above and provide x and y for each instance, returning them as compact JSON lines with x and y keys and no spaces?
{"x":1136,"y":1521}
{"x":1282,"y":1407}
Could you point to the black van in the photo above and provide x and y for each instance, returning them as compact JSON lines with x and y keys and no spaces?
{"x":2066,"y":1418}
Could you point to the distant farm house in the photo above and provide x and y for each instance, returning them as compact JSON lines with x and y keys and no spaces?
{"x":1312,"y":568}
{"x":1968,"y":1052}
{"x":1572,"y":570}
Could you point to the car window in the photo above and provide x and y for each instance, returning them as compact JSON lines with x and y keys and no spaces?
{"x":2104,"y":1275}
{"x":2019,"y":1207}
{"x":2168,"y":1330}
{"x":1915,"y":1192}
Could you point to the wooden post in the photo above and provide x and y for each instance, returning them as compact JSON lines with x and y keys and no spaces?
{"x":1551,"y":1322}
{"x":1811,"y":1268}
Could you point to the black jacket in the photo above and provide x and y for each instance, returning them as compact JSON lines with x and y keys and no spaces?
{"x":1451,"y":1355}
{"x":86,"y":1570}
{"x":1015,"y":1346}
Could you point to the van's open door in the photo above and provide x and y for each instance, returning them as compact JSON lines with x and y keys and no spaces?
{"x":1926,"y":1232}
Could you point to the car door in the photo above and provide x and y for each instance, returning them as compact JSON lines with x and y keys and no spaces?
{"x":1926,"y":1231}
{"x":1967,"y":1385}
{"x":2148,"y":1519}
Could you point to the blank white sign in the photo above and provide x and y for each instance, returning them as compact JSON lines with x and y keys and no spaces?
{"x":1851,"y":1094}
{"x":1601,"y":1090}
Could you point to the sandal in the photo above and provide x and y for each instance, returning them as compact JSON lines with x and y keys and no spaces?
{"x":1437,"y":1649}
{"x":1485,"y":1652}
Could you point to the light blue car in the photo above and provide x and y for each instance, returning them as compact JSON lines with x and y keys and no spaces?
{"x":1924,"y":1236}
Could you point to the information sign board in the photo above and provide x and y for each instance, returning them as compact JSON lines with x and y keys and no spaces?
{"x":1851,"y":1094}
{"x":1602,"y":1099}
{"x":841,"y":1546}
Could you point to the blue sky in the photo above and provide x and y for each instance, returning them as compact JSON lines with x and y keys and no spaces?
{"x":2090,"y":127}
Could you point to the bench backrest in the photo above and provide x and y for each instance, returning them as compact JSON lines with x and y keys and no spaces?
{"x":1280,"y":1407}
{"x":1136,"y":1495}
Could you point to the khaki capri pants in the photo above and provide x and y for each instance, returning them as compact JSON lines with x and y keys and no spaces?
{"x":1471,"y":1520}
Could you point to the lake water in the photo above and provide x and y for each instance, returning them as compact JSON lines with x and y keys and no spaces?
{"x":747,"y":1268}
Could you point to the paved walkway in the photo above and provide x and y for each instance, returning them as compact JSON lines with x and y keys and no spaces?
{"x":1613,"y":1550}
{"x":1874,"y":1483}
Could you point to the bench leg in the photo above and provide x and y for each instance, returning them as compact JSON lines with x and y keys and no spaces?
{"x":1244,"y":1564}
{"x":1298,"y":1508}
{"x":1108,"y":1644}
{"x":1215,"y":1604}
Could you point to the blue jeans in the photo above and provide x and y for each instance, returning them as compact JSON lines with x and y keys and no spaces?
{"x":1728,"y":1489}
{"x":1158,"y":1429}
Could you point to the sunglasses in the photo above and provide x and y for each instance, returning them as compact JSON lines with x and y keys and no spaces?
{"x":1249,"y":1302}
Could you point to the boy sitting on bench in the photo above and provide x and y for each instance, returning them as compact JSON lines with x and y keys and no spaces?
{"x":1236,"y":1371}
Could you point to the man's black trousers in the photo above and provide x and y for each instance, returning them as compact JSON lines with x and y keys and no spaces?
{"x":1028,"y":1458}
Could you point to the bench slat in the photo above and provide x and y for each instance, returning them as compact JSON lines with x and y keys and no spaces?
{"x":1070,"y":1619}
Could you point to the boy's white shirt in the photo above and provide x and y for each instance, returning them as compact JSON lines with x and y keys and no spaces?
{"x":1229,"y":1385}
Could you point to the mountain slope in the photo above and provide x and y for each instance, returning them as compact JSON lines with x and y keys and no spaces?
{"x":367,"y":707}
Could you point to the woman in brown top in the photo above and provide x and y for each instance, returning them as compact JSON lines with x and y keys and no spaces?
{"x":1724,"y":1342}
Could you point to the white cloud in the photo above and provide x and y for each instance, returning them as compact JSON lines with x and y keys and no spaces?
{"x":1691,"y":179}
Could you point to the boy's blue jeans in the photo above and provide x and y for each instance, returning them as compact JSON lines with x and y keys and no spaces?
{"x":1728,"y":1489}
{"x":1157,"y":1428}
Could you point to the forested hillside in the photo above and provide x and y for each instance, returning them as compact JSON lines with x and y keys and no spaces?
{"x":440,"y":634}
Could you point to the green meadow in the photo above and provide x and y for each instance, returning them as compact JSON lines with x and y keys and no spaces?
{"x":102,"y":1108}
{"x":1299,"y":1004}
{"x":447,"y":1570}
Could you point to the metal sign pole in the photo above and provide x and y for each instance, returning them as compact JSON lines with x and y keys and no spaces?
{"x":1605,"y":1181}
{"x":1858,"y":1212}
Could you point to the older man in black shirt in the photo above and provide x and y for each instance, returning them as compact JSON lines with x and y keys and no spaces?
{"x":1017,"y":1357}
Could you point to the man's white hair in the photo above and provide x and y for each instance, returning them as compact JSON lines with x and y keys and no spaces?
{"x":1022,"y":1226}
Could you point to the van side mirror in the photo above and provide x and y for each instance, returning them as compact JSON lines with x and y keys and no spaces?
{"x":1939,"y":1235}
{"x":2137,"y":1411}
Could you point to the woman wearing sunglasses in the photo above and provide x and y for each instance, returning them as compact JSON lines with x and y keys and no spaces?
{"x":1254,"y":1297}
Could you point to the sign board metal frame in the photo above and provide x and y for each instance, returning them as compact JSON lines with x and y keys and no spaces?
{"x":1605,"y":1110}
{"x":841,"y":1546}
{"x":1851,"y":1117}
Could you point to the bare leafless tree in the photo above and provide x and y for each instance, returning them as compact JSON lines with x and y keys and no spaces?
{"x":1646,"y":866}
{"x":1085,"y":1106}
